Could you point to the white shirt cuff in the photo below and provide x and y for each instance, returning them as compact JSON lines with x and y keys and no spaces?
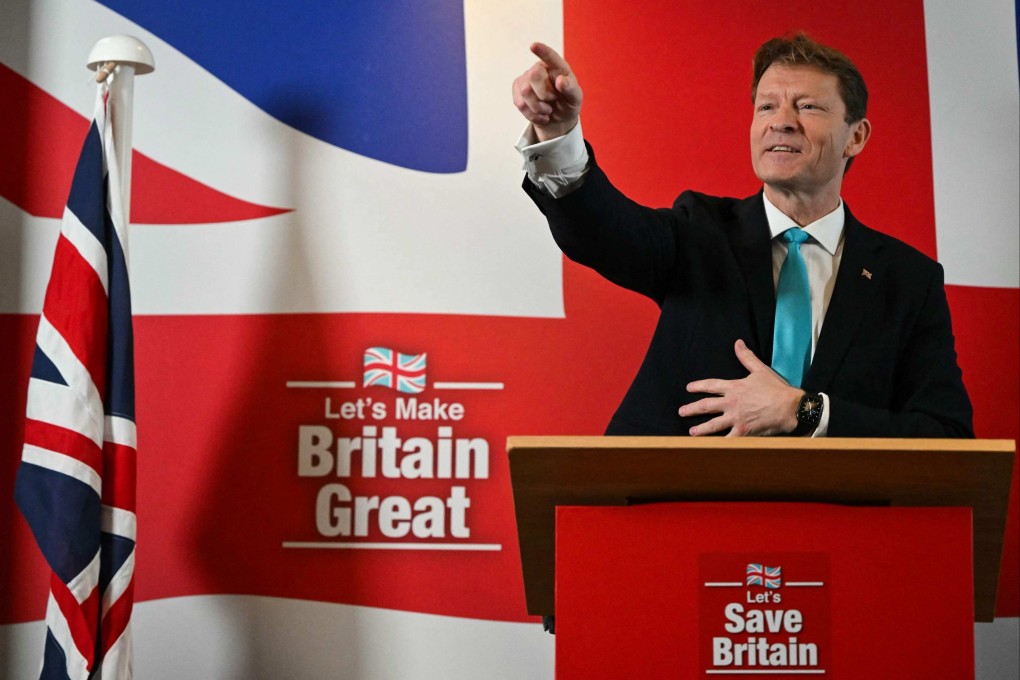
{"x":823,"y":424}
{"x":558,"y":166}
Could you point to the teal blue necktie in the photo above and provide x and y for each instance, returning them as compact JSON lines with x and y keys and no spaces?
{"x":791,"y":342}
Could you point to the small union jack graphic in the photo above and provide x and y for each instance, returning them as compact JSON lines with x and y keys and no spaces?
{"x":759,"y":575}
{"x":401,"y":372}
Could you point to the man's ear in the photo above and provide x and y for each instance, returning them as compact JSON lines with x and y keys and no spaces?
{"x":859,"y":137}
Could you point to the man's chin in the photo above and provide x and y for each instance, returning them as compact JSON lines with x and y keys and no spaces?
{"x":774,"y":173}
{"x":777,"y":182}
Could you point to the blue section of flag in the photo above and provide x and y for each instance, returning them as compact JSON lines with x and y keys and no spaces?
{"x":115,"y":550}
{"x":120,"y":362}
{"x":88,"y":183}
{"x":387,"y":80}
{"x":64,"y":515}
{"x":54,"y":663}
{"x":43,"y":368}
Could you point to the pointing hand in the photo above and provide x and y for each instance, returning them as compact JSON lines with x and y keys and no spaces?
{"x":548,"y":95}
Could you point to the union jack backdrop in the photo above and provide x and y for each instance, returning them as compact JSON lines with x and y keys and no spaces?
{"x":76,"y":481}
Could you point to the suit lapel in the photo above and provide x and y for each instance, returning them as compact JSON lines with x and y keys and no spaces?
{"x":860,"y":276}
{"x":752,"y":245}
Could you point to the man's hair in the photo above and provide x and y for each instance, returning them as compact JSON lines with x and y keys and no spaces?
{"x":800,"y":50}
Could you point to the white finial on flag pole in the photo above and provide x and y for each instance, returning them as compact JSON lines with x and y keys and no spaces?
{"x":122,"y":49}
{"x":126,"y":56}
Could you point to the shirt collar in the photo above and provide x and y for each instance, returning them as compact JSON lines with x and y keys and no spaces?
{"x":827,"y":230}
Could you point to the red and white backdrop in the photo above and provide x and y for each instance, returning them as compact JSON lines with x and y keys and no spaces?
{"x":317,"y":186}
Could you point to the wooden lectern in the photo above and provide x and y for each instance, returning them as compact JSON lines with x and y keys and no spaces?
{"x":805,"y":485}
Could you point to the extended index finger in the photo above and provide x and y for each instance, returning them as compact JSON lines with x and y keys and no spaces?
{"x":550,"y":57}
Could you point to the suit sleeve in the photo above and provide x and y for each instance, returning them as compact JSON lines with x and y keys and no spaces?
{"x":597,"y":226}
{"x":928,"y":396}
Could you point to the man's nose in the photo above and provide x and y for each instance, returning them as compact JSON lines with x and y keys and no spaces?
{"x":785,"y":120}
{"x":782,"y":126}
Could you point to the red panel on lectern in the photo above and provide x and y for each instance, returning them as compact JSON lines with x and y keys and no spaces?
{"x":710,"y":590}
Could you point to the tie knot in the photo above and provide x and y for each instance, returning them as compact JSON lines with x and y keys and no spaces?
{"x":795,"y":235}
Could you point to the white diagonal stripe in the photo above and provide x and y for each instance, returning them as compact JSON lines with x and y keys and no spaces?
{"x":117,"y":662}
{"x":82,"y":585}
{"x":75,"y":663}
{"x":119,"y":522}
{"x":59,"y":405}
{"x":87,"y":245}
{"x":64,"y":464}
{"x":52,"y":343}
{"x":121,"y":431}
{"x":119,"y":583}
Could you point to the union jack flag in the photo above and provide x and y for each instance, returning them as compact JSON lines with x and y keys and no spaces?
{"x":76,"y":481}
{"x":401,"y":372}
{"x":758,"y":575}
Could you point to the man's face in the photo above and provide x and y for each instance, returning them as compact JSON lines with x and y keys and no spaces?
{"x":800,"y":141}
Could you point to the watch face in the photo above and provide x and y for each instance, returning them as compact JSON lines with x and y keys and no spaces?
{"x":810,"y":410}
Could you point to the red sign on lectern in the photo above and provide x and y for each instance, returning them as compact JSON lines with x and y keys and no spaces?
{"x":763,"y":590}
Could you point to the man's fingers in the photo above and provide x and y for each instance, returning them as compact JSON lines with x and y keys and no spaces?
{"x":528,"y":101}
{"x":556,"y":72}
{"x":702,"y":406}
{"x":531,"y":110}
{"x":568,"y":89}
{"x":541,"y":82}
{"x":551,"y":57}
{"x":717,"y":424}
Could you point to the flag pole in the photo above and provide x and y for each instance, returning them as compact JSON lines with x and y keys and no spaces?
{"x":122,"y":56}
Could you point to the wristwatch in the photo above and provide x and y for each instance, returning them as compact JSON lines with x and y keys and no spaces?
{"x":809,"y":414}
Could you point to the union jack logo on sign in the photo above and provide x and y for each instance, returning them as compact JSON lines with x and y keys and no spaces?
{"x":401,"y":372}
{"x":759,"y":575}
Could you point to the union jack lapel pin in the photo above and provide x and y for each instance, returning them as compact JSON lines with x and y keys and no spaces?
{"x":866,"y":274}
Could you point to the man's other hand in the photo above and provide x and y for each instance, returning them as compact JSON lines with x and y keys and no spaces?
{"x":761,"y":404}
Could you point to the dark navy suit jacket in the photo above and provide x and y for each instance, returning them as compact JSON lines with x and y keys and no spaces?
{"x":885,"y":356}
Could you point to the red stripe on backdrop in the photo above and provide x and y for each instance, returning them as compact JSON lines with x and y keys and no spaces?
{"x":221,"y":442}
{"x":84,"y":333}
{"x":986,"y":322}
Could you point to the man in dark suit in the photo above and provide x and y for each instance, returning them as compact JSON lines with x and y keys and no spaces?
{"x":871,"y":349}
